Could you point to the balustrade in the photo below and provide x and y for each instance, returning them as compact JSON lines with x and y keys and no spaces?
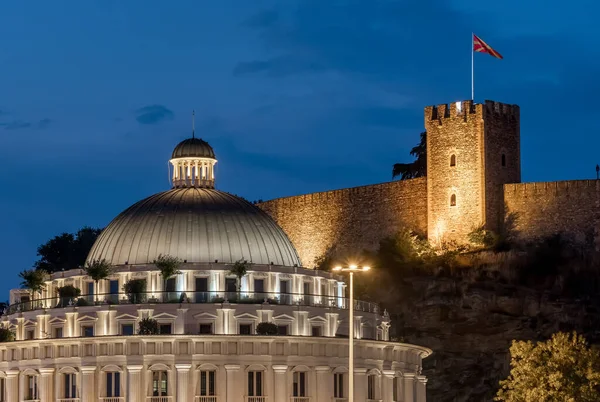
{"x":207,"y":399}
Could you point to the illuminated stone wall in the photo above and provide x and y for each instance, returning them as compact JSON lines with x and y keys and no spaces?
{"x":543,"y":209}
{"x":351,"y":219}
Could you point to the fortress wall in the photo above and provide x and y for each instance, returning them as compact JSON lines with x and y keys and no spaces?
{"x":352,"y":218}
{"x":543,"y":209}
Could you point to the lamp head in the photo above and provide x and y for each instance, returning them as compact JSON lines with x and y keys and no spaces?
{"x":337,"y":268}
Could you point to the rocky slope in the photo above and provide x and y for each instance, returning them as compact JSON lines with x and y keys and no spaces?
{"x":470,"y":325}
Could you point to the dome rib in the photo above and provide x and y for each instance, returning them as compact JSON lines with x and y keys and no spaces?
{"x":197,"y":225}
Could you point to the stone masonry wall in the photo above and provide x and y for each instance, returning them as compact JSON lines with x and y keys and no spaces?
{"x":544,"y":209}
{"x":352,"y":219}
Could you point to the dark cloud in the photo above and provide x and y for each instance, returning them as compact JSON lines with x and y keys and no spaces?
{"x":153,"y":114}
{"x":278,"y":66}
{"x":44,"y":123}
{"x":16,"y":125}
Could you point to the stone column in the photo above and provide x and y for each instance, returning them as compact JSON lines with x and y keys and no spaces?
{"x":360,"y":385}
{"x":409,"y":387}
{"x":45,"y":384}
{"x":234,"y":391}
{"x":280,"y":382}
{"x":88,"y":389}
{"x":322,"y":390}
{"x":12,"y":386}
{"x":135,"y":393}
{"x":421,"y":388}
{"x":387,"y":385}
{"x":183,"y":381}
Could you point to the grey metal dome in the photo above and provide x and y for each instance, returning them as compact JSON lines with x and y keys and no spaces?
{"x":193,"y":147}
{"x":197,"y":225}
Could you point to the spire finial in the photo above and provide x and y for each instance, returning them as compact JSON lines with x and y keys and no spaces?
{"x":193,"y":124}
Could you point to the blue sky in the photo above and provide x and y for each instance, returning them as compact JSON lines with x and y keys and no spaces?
{"x":295,"y":96}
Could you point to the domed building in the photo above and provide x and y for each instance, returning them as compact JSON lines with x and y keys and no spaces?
{"x":198,"y":335}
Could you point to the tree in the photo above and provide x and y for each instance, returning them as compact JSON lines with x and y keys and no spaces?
{"x":267,"y":328}
{"x":239,"y":269}
{"x":6,"y":335}
{"x":148,"y":326}
{"x":562,"y":368}
{"x":168,"y":267}
{"x":67,"y":250}
{"x":98,"y":270}
{"x":34,"y":280}
{"x":418,"y":167}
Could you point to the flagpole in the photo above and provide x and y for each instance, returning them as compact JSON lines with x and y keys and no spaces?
{"x":472,"y":68}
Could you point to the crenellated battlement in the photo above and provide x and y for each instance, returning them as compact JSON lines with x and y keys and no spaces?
{"x":502,"y":109}
{"x":566,"y":187}
{"x":463,"y":109}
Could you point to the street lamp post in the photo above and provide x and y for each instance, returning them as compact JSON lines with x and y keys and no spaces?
{"x":351,"y":270}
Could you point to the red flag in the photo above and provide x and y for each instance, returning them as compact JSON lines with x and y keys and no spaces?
{"x":480,"y":46}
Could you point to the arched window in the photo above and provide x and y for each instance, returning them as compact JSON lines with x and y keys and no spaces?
{"x":453,"y":160}
{"x":453,"y":200}
{"x":503,"y":160}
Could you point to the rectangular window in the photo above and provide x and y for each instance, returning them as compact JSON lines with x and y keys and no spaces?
{"x":58,"y":332}
{"x":206,"y":329}
{"x":159,"y":383}
{"x":316,"y":330}
{"x":338,"y":385}
{"x":371,"y":387}
{"x":2,"y":390}
{"x":282,"y":330}
{"x":246,"y":329}
{"x":87,"y":330}
{"x":255,"y":383}
{"x":113,"y":384}
{"x":207,"y":383}
{"x":395,"y":389}
{"x":32,"y":387}
{"x":284,"y":289}
{"x":259,"y":285}
{"x":201,"y":294}
{"x":70,"y":385}
{"x":299,"y":386}
{"x":127,"y":329}
{"x":114,"y":291}
{"x":30,"y":334}
{"x":164,"y":328}
{"x":90,"y":288}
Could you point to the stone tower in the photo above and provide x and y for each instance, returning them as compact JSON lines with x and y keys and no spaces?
{"x":472,"y":151}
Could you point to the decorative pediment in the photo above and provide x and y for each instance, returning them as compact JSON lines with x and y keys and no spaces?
{"x":30,"y":323}
{"x":57,"y":320}
{"x":317,"y":318}
{"x":127,"y":317}
{"x":164,"y":315}
{"x":284,"y":317}
{"x":204,"y":315}
{"x":246,"y":315}
{"x":87,"y":318}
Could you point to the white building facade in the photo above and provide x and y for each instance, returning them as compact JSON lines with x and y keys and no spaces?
{"x":86,"y":347}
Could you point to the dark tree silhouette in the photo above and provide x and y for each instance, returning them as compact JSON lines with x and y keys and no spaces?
{"x":418,"y":168}
{"x":67,"y":250}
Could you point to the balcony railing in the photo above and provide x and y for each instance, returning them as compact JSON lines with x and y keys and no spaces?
{"x":300,"y":399}
{"x":340,"y":399}
{"x":113,"y":399}
{"x":159,"y":398}
{"x":256,"y":399}
{"x":287,"y":299}
{"x":67,"y":400}
{"x":207,"y":399}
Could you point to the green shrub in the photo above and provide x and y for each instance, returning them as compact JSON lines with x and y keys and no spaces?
{"x":136,"y":290}
{"x":6,"y":335}
{"x":69,"y":291}
{"x":267,"y":328}
{"x":148,"y":326}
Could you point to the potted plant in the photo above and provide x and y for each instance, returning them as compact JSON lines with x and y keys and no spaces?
{"x":148,"y":326}
{"x":66,"y":294}
{"x":98,"y":270}
{"x":239,"y":269}
{"x":168,"y":267}
{"x":267,"y":328}
{"x":135,"y":290}
{"x":34,"y":280}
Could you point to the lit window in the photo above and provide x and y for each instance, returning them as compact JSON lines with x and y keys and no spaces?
{"x":70,"y":385}
{"x":453,"y":160}
{"x":371,"y":383}
{"x":127,"y":329}
{"x":503,"y":160}
{"x":87,"y":330}
{"x":453,"y":200}
{"x":300,"y":384}
{"x":113,"y":384}
{"x":31,"y":384}
{"x":160,"y":383}
{"x":208,"y":383}
{"x":255,"y":383}
{"x":338,"y":385}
